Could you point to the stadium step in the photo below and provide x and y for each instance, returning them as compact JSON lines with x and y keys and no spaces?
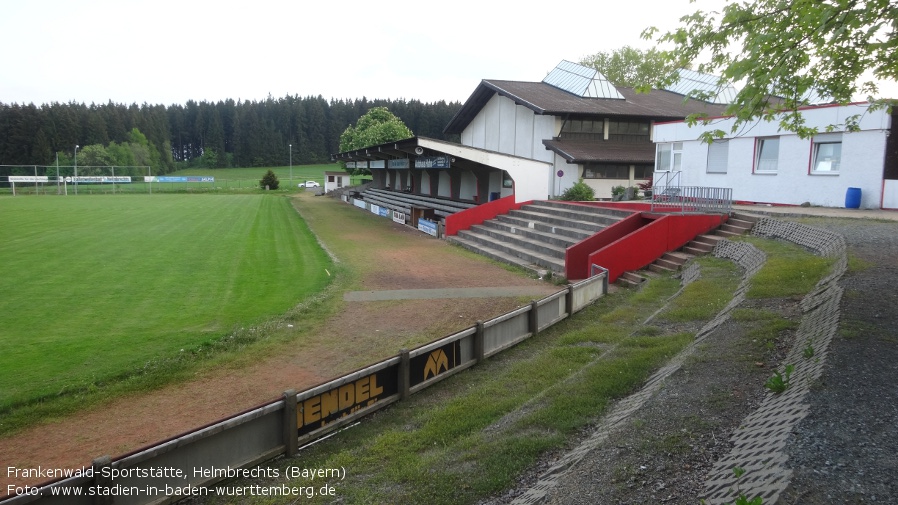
{"x":737,"y":224}
{"x":536,"y":236}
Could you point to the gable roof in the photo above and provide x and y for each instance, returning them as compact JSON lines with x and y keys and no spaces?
{"x":543,"y":98}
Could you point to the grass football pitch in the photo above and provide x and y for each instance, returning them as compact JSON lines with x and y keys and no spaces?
{"x":94,"y":288}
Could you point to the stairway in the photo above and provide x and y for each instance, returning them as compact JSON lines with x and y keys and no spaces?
{"x":536,"y":236}
{"x":737,"y":224}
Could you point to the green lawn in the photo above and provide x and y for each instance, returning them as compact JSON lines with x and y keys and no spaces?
{"x":227,"y":180}
{"x":95,"y":288}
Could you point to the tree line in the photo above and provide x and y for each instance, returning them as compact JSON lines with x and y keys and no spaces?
{"x":219,"y":134}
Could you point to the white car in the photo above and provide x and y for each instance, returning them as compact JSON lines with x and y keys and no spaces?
{"x":309,"y":184}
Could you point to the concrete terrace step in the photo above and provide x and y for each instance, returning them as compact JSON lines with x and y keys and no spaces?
{"x":518,"y":241}
{"x":586,"y":208}
{"x":539,"y":269}
{"x":584,"y":213}
{"x":537,"y":235}
{"x":531,"y":233}
{"x":532,"y":251}
{"x":552,"y":219}
{"x":554,"y":229}
{"x":631,"y":279}
{"x":702,"y":244}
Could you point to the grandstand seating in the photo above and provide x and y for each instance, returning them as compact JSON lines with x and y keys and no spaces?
{"x":403,"y":202}
{"x":536,"y":237}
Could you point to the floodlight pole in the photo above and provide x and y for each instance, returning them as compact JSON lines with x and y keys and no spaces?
{"x":291,"y":164}
{"x":76,"y":169}
{"x":57,"y":172}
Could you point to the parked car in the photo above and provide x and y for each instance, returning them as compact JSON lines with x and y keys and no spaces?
{"x":309,"y":184}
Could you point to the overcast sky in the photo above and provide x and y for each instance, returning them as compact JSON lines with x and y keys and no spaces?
{"x":171,"y":51}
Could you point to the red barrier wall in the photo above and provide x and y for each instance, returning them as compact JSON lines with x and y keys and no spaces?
{"x":576,"y":257}
{"x":477,"y":215}
{"x":651,"y":241}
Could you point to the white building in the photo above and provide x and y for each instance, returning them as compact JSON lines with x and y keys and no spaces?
{"x":335,"y":180}
{"x":763,"y":164}
{"x":575,"y":122}
{"x":534,"y":140}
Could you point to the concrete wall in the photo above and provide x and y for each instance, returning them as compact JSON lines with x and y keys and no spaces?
{"x":862,"y":159}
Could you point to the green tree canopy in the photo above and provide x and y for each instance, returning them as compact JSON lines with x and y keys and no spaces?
{"x":376,"y":126}
{"x":627,"y":66}
{"x":783,"y":51}
{"x":269,"y":180}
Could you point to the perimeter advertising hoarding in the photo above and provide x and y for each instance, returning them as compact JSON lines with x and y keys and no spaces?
{"x":400,"y":163}
{"x":340,"y":401}
{"x":29,"y":178}
{"x":427,"y":226}
{"x":429,"y":365}
{"x":99,"y":179}
{"x":190,"y":178}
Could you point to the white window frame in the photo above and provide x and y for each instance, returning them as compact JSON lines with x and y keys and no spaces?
{"x":671,"y":162}
{"x":830,"y":165}
{"x":718,"y":156}
{"x":768,"y":165}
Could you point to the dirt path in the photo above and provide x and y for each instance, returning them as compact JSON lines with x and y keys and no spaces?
{"x":361,"y":333}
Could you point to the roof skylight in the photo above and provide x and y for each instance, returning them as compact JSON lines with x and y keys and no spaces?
{"x":581,"y":81}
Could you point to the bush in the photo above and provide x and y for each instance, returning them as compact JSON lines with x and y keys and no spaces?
{"x":578,"y":192}
{"x":270,"y":180}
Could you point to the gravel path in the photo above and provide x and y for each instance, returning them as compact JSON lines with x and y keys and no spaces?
{"x":831,"y":440}
{"x":846,"y":449}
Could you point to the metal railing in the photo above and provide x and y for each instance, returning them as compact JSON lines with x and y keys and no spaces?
{"x":688,"y":199}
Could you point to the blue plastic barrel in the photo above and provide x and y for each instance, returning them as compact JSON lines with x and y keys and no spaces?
{"x":853,"y":198}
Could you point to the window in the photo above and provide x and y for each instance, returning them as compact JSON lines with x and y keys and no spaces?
{"x":643,"y":172}
{"x":628,"y":128}
{"x":669,"y":157}
{"x":583,"y":126}
{"x":768,"y":150}
{"x":718,"y":156}
{"x":827,"y":154}
{"x":606,"y":171}
{"x":582,"y":129}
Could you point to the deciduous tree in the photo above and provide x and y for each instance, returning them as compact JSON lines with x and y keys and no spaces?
{"x":627,"y":66}
{"x":783,"y":51}
{"x":377,"y":126}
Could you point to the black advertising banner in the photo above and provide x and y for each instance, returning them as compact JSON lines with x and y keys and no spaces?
{"x":440,"y":360}
{"x":322,"y":409}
